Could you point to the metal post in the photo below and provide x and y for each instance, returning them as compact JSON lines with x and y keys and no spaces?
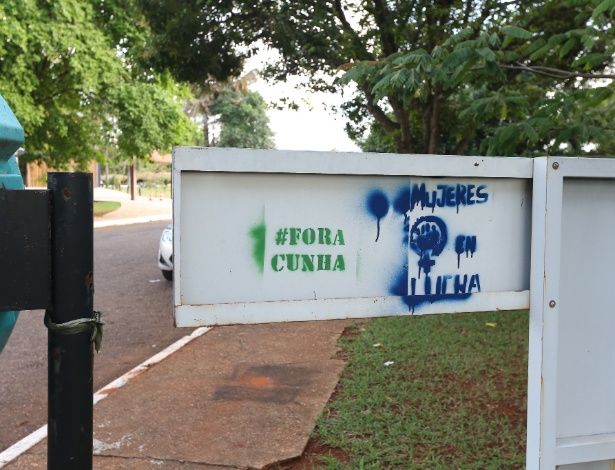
{"x":70,"y":386}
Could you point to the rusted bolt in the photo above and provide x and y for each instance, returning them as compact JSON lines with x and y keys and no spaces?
{"x":552,"y":304}
{"x":67,"y":194}
{"x":555,"y":165}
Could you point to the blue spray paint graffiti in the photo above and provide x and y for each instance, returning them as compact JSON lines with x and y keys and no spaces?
{"x":465,"y":243}
{"x":447,"y":196}
{"x":378,"y":205}
{"x":428,"y":237}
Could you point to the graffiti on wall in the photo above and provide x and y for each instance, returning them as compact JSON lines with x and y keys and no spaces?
{"x":427,"y":236}
{"x":418,"y":228}
{"x":324,"y":237}
{"x":290,"y":239}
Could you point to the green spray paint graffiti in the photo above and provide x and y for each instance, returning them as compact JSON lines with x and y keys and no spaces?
{"x":258,"y":234}
{"x":295,"y":236}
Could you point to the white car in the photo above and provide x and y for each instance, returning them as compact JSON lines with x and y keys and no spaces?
{"x":165,"y":252}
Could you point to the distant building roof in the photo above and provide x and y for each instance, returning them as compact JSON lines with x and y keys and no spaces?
{"x":157,"y":157}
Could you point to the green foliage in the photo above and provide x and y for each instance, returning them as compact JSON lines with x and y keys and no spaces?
{"x":423,"y":70}
{"x":240,"y":114}
{"x":243,"y":119}
{"x":416,"y":66}
{"x":150,"y":117}
{"x":519,"y":106}
{"x":559,"y":124}
{"x":379,"y":140}
{"x":66,"y":73}
{"x":199,"y":39}
{"x":515,"y":32}
{"x":54,"y":66}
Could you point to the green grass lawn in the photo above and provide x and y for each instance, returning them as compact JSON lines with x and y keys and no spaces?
{"x":453,"y":397}
{"x":104,"y":207}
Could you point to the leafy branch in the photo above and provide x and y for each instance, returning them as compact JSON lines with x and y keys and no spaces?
{"x":553,"y":73}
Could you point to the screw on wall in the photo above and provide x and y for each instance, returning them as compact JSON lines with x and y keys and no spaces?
{"x":552,"y":304}
{"x":555,"y":165}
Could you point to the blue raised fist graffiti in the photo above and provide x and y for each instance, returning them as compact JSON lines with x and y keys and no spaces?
{"x":428,"y":237}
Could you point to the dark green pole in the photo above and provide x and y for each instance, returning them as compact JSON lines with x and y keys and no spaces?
{"x":70,"y":386}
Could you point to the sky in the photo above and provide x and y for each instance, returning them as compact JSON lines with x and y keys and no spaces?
{"x":312,"y":127}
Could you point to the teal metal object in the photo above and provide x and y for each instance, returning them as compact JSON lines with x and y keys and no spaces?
{"x":11,"y":138}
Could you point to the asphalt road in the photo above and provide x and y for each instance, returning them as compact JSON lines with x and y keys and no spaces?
{"x":136,"y":302}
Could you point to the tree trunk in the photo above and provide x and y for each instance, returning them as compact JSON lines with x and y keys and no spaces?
{"x":461,"y":146}
{"x":377,"y":112}
{"x":404,"y":141}
{"x":434,"y":122}
{"x":434,"y":127}
{"x":205,"y":128}
{"x":133,"y":179}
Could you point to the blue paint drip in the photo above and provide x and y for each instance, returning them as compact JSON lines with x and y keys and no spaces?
{"x":465,"y":243}
{"x":378,"y":205}
{"x":413,"y":301}
{"x":406,"y":231}
{"x":401,"y":205}
{"x":459,"y":247}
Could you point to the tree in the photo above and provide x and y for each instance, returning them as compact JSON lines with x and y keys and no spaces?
{"x":204,"y":95}
{"x":453,"y":76}
{"x":240,"y":113}
{"x":148,"y":117}
{"x":528,"y":91}
{"x":197,"y":40}
{"x":443,"y":76}
{"x":65,"y":72}
{"x":243,"y":119}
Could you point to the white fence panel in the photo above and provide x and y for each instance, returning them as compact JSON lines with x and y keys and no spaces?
{"x":264,"y":236}
{"x":571,"y":402}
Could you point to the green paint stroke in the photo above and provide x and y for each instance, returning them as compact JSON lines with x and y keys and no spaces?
{"x":258,"y":233}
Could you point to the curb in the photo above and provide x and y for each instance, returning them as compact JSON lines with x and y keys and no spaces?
{"x":136,"y":220}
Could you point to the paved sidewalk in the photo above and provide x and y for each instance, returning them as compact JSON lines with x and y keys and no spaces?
{"x":143,"y":209}
{"x":235,"y":397}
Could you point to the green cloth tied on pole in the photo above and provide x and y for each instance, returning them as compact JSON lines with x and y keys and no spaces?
{"x":79,"y":326}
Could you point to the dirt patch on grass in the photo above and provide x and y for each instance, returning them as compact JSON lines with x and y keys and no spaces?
{"x":310,"y":459}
